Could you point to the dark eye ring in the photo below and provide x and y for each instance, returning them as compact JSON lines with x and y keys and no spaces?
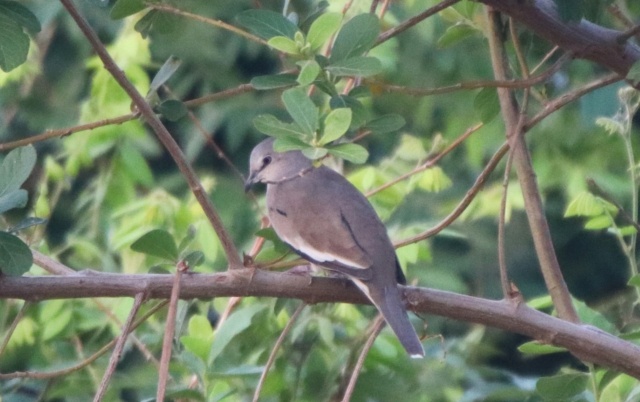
{"x":266,"y":160}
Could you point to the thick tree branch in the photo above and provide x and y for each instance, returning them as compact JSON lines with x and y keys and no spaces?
{"x":584,"y":39}
{"x":585,"y":341}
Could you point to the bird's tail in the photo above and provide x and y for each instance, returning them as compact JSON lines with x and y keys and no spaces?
{"x":389,"y":303}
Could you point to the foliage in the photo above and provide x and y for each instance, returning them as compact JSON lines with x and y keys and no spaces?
{"x":102,"y":193}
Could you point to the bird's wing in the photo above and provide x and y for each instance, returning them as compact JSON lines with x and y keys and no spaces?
{"x":312,"y":217}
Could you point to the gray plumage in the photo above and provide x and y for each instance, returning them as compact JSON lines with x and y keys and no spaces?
{"x":328,"y":221}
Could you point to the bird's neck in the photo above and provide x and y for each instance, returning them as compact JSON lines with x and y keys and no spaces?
{"x":293,"y":176}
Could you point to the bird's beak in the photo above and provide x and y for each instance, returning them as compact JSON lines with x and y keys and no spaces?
{"x":251,"y":180}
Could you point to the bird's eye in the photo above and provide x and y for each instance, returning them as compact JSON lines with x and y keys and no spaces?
{"x":266,"y":160}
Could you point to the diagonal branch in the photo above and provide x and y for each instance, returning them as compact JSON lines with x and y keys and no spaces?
{"x":162,"y":133}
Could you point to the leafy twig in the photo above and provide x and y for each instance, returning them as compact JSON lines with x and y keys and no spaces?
{"x":12,"y":327}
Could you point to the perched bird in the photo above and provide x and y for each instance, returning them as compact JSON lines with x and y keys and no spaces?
{"x":326,"y":220}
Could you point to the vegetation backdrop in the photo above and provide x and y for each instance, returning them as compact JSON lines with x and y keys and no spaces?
{"x":496,"y":140}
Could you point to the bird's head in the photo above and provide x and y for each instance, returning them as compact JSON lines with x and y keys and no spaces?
{"x":269,"y":166}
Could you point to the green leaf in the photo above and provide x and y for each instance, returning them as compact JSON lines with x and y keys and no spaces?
{"x":537,"y":348}
{"x":173,"y":109}
{"x":169,"y":68}
{"x":125,"y":8}
{"x":356,"y":37}
{"x":199,"y":338}
{"x":336,"y":125}
{"x":286,"y":144}
{"x":634,"y":281}
{"x":302,"y":109}
{"x":14,"y":199}
{"x":267,"y":24}
{"x":322,"y":28}
{"x":562,"y":387}
{"x":612,"y":126}
{"x":16,"y":168}
{"x":455,"y":34}
{"x":135,"y":164}
{"x":14,"y":44}
{"x":634,"y":73}
{"x":15,"y":255}
{"x":27,"y":223}
{"x":359,"y":112}
{"x":265,"y":82}
{"x":314,"y":153}
{"x":194,"y":258}
{"x":235,"y":324}
{"x":587,"y":204}
{"x":359,"y":66}
{"x":486,"y":104}
{"x":434,"y":180}
{"x":160,"y":22}
{"x":385,"y":124}
{"x":308,"y":72}
{"x":599,"y":223}
{"x":284,"y":44}
{"x":20,"y":14}
{"x":158,"y":243}
{"x":353,"y":153}
{"x":270,"y":125}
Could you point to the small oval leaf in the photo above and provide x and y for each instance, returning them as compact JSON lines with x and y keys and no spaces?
{"x":158,"y":243}
{"x":15,"y":255}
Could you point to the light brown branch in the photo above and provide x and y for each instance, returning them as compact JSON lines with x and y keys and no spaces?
{"x":169,"y":330}
{"x":117,"y":351}
{"x":462,"y":205}
{"x":216,"y":23}
{"x":386,"y":35}
{"x":538,"y":225}
{"x":600,"y":347}
{"x":376,"y":327}
{"x":506,"y":83}
{"x":162,"y":133}
{"x":276,"y":348}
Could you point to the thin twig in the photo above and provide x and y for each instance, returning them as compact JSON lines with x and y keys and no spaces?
{"x":569,"y":97}
{"x":429,"y":163}
{"x":216,"y":23}
{"x":117,"y":351}
{"x":62,"y":132}
{"x":84,"y":363}
{"x":502,"y":255}
{"x":507,"y":83}
{"x":169,"y":331}
{"x":464,"y":203}
{"x":377,"y":326}
{"x":386,"y":35}
{"x":14,"y":324}
{"x":163,"y":135}
{"x":276,"y":347}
